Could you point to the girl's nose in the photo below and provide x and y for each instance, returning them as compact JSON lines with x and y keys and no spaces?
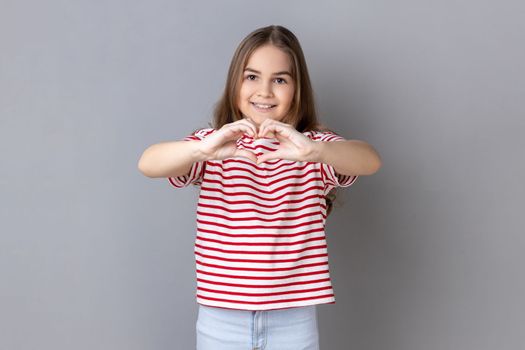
{"x":265,"y":90}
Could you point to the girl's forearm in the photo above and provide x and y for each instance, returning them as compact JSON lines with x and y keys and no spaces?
{"x":349,"y":157}
{"x":167,"y":159}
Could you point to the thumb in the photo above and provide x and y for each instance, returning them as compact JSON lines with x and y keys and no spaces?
{"x":269,"y":156}
{"x":245,"y":154}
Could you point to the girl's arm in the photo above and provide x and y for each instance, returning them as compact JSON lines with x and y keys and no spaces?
{"x":175,"y":158}
{"x":167,"y":159}
{"x":349,"y":157}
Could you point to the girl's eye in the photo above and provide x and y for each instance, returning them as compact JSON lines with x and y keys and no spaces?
{"x":250,"y":77}
{"x":280,"y":81}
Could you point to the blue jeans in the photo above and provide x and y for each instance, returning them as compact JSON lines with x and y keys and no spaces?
{"x":281,"y":329}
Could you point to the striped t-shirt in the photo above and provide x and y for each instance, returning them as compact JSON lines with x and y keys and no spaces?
{"x":260,"y":241}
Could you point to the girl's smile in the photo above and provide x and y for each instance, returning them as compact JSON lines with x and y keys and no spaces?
{"x":262,"y":108}
{"x":267,"y":88}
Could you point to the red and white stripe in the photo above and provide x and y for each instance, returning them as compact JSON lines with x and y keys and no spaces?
{"x":260,"y":241}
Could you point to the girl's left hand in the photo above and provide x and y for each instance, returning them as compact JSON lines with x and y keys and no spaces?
{"x":292,"y":144}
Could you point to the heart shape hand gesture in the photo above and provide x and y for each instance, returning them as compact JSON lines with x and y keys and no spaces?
{"x":223,"y":143}
{"x":292,"y":144}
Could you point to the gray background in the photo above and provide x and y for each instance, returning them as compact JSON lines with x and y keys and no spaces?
{"x":425,"y":254}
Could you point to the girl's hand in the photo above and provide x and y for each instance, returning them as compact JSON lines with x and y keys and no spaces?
{"x":223,"y":143}
{"x":293,"y":145}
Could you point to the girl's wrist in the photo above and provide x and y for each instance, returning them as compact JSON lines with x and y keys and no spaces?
{"x":197,"y":153}
{"x":317,"y":152}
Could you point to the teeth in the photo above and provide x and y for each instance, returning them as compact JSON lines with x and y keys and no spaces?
{"x":262,"y":106}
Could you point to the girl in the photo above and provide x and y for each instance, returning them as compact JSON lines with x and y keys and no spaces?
{"x":265,"y":170}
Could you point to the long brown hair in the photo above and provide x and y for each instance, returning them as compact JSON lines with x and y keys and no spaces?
{"x":302,"y":114}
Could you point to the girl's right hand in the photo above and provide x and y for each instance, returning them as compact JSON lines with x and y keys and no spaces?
{"x":223,"y":143}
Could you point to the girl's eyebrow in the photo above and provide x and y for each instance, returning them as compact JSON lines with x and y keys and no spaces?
{"x":277,"y":73}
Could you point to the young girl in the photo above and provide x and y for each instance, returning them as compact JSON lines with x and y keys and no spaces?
{"x":265,"y":170}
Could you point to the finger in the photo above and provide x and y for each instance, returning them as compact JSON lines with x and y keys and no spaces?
{"x":263,"y":126}
{"x":264,"y":130}
{"x":282,"y":137}
{"x":273,"y":129}
{"x":245,"y":154}
{"x":248,"y":124}
{"x":251,"y":124}
{"x":269,"y":156}
{"x":234,"y":130}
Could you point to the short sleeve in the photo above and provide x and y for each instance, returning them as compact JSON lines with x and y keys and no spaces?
{"x":196,"y":173}
{"x":328,"y":173}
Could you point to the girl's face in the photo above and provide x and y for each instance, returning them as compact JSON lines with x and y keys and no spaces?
{"x":267,"y":88}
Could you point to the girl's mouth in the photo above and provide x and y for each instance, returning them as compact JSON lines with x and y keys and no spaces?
{"x":262,"y":106}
